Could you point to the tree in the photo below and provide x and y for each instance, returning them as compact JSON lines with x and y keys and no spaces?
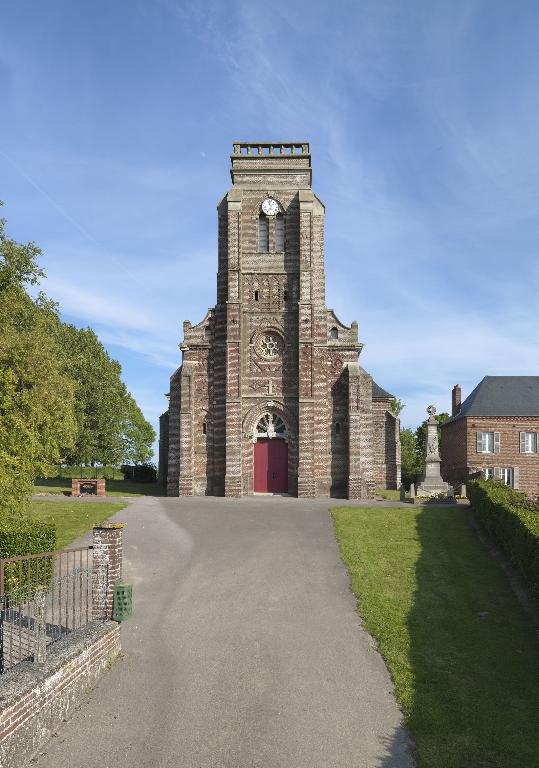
{"x":111,"y":426}
{"x":36,"y":396}
{"x":397,"y":406}
{"x":410,"y":461}
{"x":101,"y":395}
{"x":138,"y":435}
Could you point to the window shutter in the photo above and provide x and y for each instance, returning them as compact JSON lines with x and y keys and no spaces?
{"x":522,"y":442}
{"x":497,"y":473}
{"x":479,"y":442}
{"x":516,"y":478}
{"x":496,"y":442}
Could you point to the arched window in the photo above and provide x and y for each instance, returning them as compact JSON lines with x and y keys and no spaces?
{"x":337,"y":428}
{"x":204,"y":428}
{"x":334,"y":333}
{"x":263,"y":232}
{"x":279,"y":232}
{"x":271,"y":425}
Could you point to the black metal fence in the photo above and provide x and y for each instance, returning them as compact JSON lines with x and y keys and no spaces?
{"x":44,"y":597}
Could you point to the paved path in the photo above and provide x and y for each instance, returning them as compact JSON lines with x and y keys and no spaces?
{"x":245,"y":650}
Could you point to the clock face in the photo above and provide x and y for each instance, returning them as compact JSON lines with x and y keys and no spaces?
{"x":270,"y":206}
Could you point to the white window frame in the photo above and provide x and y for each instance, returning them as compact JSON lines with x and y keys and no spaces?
{"x":487,"y":442}
{"x":528,"y":442}
{"x":506,"y":475}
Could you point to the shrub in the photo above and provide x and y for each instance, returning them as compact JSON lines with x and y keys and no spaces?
{"x":26,"y":537}
{"x":140,"y":473}
{"x":512,"y":519}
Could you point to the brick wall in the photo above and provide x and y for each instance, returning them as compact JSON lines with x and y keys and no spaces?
{"x":460,"y":456}
{"x":36,"y":698}
{"x":99,"y":483}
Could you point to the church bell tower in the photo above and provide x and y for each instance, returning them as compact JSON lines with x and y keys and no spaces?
{"x":270,"y":397}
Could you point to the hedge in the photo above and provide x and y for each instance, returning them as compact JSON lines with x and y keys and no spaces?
{"x":512,"y":519}
{"x":25,"y":537}
{"x":69,"y":472}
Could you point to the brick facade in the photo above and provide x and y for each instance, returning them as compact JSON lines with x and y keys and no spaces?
{"x":99,"y":484}
{"x":271,"y":346}
{"x":460,"y":457}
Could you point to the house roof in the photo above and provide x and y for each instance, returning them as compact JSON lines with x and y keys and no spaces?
{"x":379,"y":392}
{"x":502,"y":396}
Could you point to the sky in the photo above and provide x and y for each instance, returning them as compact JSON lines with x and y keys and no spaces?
{"x":117,"y":122}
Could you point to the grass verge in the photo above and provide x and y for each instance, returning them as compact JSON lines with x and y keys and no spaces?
{"x":59,"y":485}
{"x":72,"y":518}
{"x":390,"y":494}
{"x":461,"y":650}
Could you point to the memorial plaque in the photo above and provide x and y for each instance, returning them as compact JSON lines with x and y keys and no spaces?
{"x":88,"y":488}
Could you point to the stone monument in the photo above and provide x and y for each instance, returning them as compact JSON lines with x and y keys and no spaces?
{"x":431,"y":482}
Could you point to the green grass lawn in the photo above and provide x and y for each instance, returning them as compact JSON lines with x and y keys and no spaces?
{"x":462,"y":652}
{"x":390,"y":494}
{"x":59,"y":485}
{"x":73,"y":518}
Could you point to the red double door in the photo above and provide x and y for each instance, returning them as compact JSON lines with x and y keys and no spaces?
{"x":270,"y":466}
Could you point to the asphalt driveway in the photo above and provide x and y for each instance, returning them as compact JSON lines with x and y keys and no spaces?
{"x":245,"y":650}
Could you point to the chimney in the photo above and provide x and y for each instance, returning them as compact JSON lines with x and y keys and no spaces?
{"x":455,"y":400}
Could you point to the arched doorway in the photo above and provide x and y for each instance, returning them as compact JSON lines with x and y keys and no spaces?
{"x":270,"y":455}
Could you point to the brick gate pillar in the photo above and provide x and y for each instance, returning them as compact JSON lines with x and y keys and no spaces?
{"x":106,"y":567}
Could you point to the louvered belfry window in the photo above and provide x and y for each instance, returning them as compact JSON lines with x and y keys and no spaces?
{"x":279,"y":232}
{"x":263,"y":233}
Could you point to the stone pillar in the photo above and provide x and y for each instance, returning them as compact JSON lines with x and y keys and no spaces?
{"x":431,"y":481}
{"x":233,"y":443}
{"x":185,"y":482}
{"x":361,"y":483}
{"x":306,"y":406}
{"x":173,"y":458}
{"x":106,"y":567}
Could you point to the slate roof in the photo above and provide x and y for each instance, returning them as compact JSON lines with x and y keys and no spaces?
{"x":502,"y":396}
{"x":379,"y":392}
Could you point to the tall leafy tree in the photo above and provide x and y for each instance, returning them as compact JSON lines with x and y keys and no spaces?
{"x":37,"y":396}
{"x":101,"y":398}
{"x":138,"y":435}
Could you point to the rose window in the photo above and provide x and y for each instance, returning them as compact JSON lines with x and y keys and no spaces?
{"x":269,"y":346}
{"x":271,"y":425}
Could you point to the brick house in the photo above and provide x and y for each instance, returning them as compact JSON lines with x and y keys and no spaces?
{"x":270,"y":396}
{"x":494,"y":431}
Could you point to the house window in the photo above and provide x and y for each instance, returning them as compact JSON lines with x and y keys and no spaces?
{"x":279,"y":232}
{"x":488,"y":442}
{"x":263,"y":241}
{"x":528,"y":442}
{"x":505,"y":474}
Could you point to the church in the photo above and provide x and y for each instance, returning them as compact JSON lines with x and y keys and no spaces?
{"x":270,"y":397}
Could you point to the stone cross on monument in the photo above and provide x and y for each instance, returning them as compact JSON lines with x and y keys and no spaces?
{"x":431,"y":482}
